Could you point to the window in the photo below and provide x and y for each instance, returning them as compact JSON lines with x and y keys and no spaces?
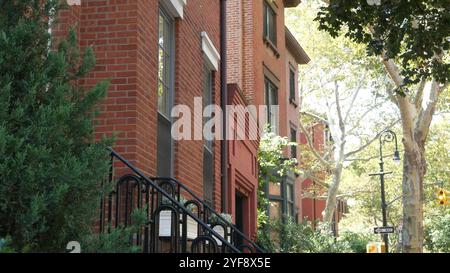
{"x":290,"y":200}
{"x":165,"y":62}
{"x":292,"y":96}
{"x":271,"y":97}
{"x":327,"y":135}
{"x":208,"y":158}
{"x":281,"y":196}
{"x":270,"y":26}
{"x":207,"y":99}
{"x":293,"y":139}
{"x":275,"y":210}
{"x":165,"y":93}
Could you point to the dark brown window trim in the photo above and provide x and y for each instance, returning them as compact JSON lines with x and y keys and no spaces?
{"x":293,"y":102}
{"x":271,"y":76}
{"x":273,"y":47}
{"x":267,"y":41}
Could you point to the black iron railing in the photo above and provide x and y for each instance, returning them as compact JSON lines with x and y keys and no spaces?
{"x":207,"y":213}
{"x":173,"y":223}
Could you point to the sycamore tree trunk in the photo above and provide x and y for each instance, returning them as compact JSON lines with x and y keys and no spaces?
{"x":416,"y":121}
{"x":330,"y":206}
{"x":413,"y":173}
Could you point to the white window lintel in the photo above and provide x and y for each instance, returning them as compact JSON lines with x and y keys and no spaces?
{"x":174,"y":7}
{"x":211,"y":54}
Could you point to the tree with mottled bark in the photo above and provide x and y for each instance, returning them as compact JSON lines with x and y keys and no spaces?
{"x":411,"y":38}
{"x":345,"y":91}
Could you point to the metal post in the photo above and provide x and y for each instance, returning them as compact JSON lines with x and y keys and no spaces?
{"x":383,"y":206}
{"x":386,"y":136}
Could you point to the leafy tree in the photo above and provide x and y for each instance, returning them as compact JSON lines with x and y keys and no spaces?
{"x":51,"y":167}
{"x":302,"y":238}
{"x":342,"y":89}
{"x":365,"y":200}
{"x":411,"y":39}
{"x":437,"y":231}
{"x":273,"y":165}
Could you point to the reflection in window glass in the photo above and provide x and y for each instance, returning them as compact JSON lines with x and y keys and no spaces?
{"x":274,"y":188}
{"x":275,"y":210}
{"x":164,"y":64}
{"x":270,"y":32}
{"x":271,"y":98}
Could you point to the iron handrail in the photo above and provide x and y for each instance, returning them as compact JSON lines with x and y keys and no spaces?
{"x":173,"y":200}
{"x":205,"y":205}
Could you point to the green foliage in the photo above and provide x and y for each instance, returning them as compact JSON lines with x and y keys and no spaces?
{"x":414,"y":32}
{"x":290,"y":237}
{"x":51,"y":167}
{"x":118,"y":240}
{"x":5,"y":245}
{"x":437,"y":231}
{"x":273,"y":165}
{"x":357,"y":241}
{"x":365,"y":203}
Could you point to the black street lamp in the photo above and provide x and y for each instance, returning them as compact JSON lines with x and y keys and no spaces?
{"x":386,"y":136}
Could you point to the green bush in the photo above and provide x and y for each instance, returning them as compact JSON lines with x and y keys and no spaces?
{"x":292,"y":237}
{"x":437,"y":231}
{"x":51,"y":167}
{"x":5,"y":245}
{"x":118,"y":240}
{"x":357,"y":242}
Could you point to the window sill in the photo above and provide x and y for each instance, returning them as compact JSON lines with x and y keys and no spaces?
{"x":293,"y":102}
{"x":272,"y":46}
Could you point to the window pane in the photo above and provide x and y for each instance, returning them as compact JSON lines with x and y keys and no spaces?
{"x":292,"y":85}
{"x":272,"y":105}
{"x":207,"y":100}
{"x":272,"y":31}
{"x":289,"y":193}
{"x":293,"y":139}
{"x":269,"y":23}
{"x":290,"y":209}
{"x":161,"y":31}
{"x":275,"y":210}
{"x":164,"y":65}
{"x":274,"y":188}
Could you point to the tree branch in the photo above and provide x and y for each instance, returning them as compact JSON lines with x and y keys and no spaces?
{"x":314,"y":116}
{"x":313,"y":149}
{"x":371,"y":141}
{"x":419,"y":94}
{"x":355,"y":95}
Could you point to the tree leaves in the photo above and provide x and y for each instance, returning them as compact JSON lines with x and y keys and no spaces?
{"x":51,"y":167}
{"x":414,"y":32}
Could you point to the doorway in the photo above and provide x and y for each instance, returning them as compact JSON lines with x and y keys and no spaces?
{"x":239,"y":214}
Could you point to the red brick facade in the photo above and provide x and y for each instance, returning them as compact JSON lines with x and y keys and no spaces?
{"x":312,"y":208}
{"x":251,"y":59}
{"x":124,"y":37}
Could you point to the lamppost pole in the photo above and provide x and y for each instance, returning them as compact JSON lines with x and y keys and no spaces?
{"x":385,"y":136}
{"x":383,"y":198}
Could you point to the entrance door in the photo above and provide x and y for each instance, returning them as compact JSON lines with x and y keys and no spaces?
{"x":239,"y":214}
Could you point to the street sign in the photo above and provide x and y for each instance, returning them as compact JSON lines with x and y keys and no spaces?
{"x":383,"y":230}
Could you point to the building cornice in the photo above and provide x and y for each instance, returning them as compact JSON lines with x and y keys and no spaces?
{"x":295,"y":48}
{"x":291,"y":3}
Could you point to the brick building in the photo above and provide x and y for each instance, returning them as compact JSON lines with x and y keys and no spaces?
{"x":314,"y":203}
{"x":159,"y":54}
{"x":263,"y":59}
{"x":131,"y":39}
